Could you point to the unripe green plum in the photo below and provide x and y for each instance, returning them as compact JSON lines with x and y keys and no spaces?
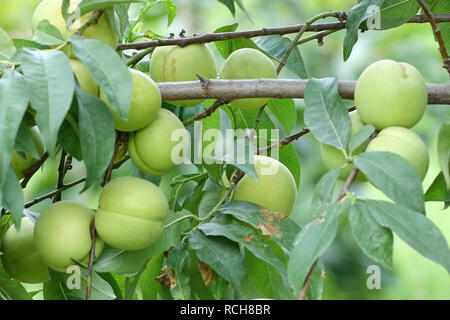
{"x":19,"y":164}
{"x":84,"y":77}
{"x":175,"y":64}
{"x":131,"y":213}
{"x":51,"y":10}
{"x":390,"y":93}
{"x":275,"y":189}
{"x":63,"y":234}
{"x":248,"y":63}
{"x":145,"y":103}
{"x":20,"y":258}
{"x":151,"y":148}
{"x":404,"y":143}
{"x":334,"y":158}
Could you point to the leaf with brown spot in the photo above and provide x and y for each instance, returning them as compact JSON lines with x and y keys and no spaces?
{"x":206,"y":272}
{"x":167,"y":279}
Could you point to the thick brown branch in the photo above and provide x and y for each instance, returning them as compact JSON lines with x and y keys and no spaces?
{"x":212,"y":37}
{"x":437,"y":33}
{"x":228,"y":90}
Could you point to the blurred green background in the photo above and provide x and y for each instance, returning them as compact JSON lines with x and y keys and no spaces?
{"x":413,"y":277}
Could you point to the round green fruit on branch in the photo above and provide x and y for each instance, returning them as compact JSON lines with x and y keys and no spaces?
{"x":20,"y":258}
{"x":175,"y":64}
{"x":62,"y":235}
{"x":404,"y":143}
{"x":248,"y":64}
{"x":131,"y":213}
{"x":84,"y":77}
{"x":145,"y":103}
{"x":51,"y":10}
{"x":275,"y":189}
{"x":334,"y":158}
{"x":153,"y":149}
{"x":391,"y":93}
{"x":19,"y":164}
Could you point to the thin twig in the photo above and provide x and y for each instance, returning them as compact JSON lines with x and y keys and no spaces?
{"x":139,"y":56}
{"x":121,"y":137}
{"x":208,"y":112}
{"x":61,"y":174}
{"x":28,"y":174}
{"x":92,"y":20}
{"x":213,"y":37}
{"x":91,"y":263}
{"x":305,"y":286}
{"x":437,"y":32}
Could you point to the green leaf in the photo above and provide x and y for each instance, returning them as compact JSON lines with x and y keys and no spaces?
{"x":24,"y":141}
{"x":360,"y":137}
{"x":284,"y":111}
{"x":220,"y":253}
{"x":47,"y":34}
{"x":13,"y":290}
{"x":112,"y":281}
{"x":227,"y":47}
{"x":438,"y":191}
{"x":310,"y":243}
{"x":25,"y":43}
{"x":7,"y":47}
{"x":357,"y":15}
{"x":51,"y":84}
{"x":265,"y":278}
{"x":443,"y":7}
{"x":283,"y":233}
{"x":176,"y":260}
{"x":248,"y":239}
{"x":444,"y":152}
{"x":14,"y":102}
{"x":276,"y":47}
{"x":149,"y":286}
{"x":394,"y":176}
{"x":288,"y":156}
{"x":12,"y":197}
{"x":90,"y":5}
{"x":414,"y":228}
{"x":323,"y":193}
{"x":315,"y":289}
{"x":397,"y":12}
{"x":374,"y":240}
{"x":326,"y":115}
{"x":230,"y":5}
{"x":108,"y":69}
{"x":97,"y":135}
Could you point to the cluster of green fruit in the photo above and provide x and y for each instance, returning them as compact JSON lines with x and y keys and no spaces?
{"x":391,"y":96}
{"x":130,"y":216}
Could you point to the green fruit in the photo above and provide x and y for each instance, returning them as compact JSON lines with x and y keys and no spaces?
{"x":145,"y":103}
{"x":334,"y":158}
{"x":175,"y":64}
{"x":404,"y":143}
{"x":151,"y":148}
{"x":20,"y":258}
{"x":275,"y":189}
{"x":391,"y":93}
{"x":248,"y":64}
{"x":63,"y":234}
{"x":19,"y":164}
{"x":84,"y":77}
{"x":51,"y":10}
{"x":131,"y":213}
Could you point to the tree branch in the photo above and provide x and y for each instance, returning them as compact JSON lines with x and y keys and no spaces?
{"x":213,"y":37}
{"x":228,"y":90}
{"x":28,"y":174}
{"x":61,"y":174}
{"x":208,"y":112}
{"x":91,"y":263}
{"x":437,"y":32}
